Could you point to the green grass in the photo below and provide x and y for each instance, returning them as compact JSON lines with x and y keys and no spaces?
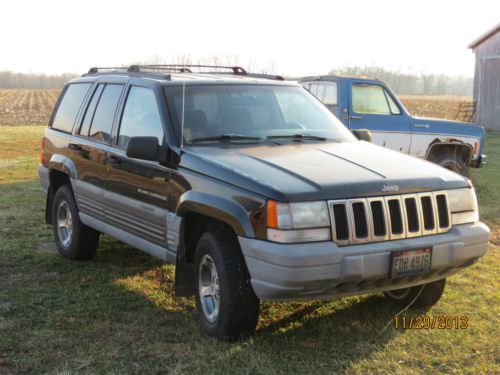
{"x":117,"y":313}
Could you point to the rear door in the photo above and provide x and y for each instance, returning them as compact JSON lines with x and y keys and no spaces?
{"x":138,"y":191}
{"x":89,"y":148}
{"x":373,"y":107}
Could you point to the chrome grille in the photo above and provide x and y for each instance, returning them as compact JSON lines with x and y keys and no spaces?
{"x":375,"y":219}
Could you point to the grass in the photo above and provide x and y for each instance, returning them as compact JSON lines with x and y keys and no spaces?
{"x":117,"y":313}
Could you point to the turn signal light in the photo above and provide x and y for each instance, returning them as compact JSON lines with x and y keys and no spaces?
{"x":272,"y":214}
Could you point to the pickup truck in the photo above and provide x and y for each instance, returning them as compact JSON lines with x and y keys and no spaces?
{"x":362,"y":103}
{"x":252,"y":189}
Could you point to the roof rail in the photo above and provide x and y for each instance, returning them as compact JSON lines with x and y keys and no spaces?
{"x":185,"y":68}
{"x":96,"y":69}
{"x":267,"y":76}
{"x":188,"y":68}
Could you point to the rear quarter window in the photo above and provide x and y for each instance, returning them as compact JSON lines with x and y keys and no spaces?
{"x":68,"y":107}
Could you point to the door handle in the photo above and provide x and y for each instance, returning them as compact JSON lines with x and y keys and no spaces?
{"x":425,"y":126}
{"x":356,"y":117}
{"x":113,"y":160}
{"x":75,"y":147}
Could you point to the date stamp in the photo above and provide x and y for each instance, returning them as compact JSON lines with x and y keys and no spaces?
{"x":431,"y":322}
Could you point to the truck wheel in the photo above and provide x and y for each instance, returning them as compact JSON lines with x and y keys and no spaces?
{"x":227,"y":306}
{"x":454,"y":163}
{"x":429,"y":294}
{"x":74,"y":240}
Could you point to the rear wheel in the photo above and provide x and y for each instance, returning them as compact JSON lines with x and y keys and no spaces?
{"x":227,"y":306}
{"x":423,"y":296}
{"x":74,"y":240}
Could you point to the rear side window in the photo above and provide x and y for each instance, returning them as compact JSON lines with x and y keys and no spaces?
{"x":89,"y":114}
{"x":69,"y":106}
{"x":102,"y":122}
{"x":326,"y":92}
{"x":140,"y":116}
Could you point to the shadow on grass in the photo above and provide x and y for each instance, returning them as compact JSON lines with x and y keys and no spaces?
{"x":123,"y":303}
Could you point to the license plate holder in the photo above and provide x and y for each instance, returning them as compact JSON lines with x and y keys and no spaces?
{"x":410,"y":262}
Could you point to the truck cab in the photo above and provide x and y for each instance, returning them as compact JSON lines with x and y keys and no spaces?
{"x":363,"y":103}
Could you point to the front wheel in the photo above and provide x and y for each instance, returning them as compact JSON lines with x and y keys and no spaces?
{"x":422,"y":296}
{"x":454,"y":163}
{"x":227,"y":306}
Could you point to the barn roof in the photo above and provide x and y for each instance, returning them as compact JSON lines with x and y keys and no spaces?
{"x":485,"y":36}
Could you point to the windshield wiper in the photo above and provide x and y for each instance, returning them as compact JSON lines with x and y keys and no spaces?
{"x":226,"y":138}
{"x":298,"y":137}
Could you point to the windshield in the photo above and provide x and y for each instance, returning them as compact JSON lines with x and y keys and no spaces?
{"x":259,"y":111}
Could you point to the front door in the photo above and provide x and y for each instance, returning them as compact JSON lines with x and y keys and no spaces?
{"x":373,"y":107}
{"x":137,"y":190}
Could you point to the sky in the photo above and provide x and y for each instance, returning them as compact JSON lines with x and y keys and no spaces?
{"x":293,"y":37}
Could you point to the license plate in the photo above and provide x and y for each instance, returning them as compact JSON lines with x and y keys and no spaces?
{"x":410,"y":262}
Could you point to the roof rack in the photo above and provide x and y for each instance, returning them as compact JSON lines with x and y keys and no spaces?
{"x":185,"y":68}
{"x":188,"y":68}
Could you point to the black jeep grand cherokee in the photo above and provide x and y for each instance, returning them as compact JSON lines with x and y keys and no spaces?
{"x":252,"y":188}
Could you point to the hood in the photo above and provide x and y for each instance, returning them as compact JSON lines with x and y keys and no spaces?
{"x":318,"y":170}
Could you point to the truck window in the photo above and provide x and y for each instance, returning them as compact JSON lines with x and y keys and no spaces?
{"x":140,"y":116}
{"x":392,"y":104}
{"x":102,"y":122}
{"x":330,"y":95}
{"x":372,"y":99}
{"x":326,"y":92}
{"x":69,"y":106}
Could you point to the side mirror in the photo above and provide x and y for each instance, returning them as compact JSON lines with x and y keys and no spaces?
{"x":145,"y":148}
{"x":363,"y":134}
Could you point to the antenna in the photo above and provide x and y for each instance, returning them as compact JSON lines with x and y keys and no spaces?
{"x":182,"y":115}
{"x":184,"y":70}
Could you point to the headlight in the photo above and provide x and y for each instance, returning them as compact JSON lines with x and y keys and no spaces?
{"x":298,"y":222}
{"x":463,"y":206}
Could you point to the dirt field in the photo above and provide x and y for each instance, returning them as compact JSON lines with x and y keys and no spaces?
{"x":19,"y":106}
{"x":434,"y":106}
{"x":34,"y":107}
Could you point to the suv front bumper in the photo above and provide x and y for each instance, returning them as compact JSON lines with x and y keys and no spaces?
{"x":324,"y":270}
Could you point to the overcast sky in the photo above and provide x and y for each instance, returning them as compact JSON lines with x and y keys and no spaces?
{"x":299,"y":38}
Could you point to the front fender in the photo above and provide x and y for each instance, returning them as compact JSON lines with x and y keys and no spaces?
{"x":222,"y":209}
{"x":454,"y":143}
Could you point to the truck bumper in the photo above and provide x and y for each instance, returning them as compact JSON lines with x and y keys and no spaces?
{"x":479,"y":162}
{"x":324,"y":270}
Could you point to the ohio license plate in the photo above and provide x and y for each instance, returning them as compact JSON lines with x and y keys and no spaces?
{"x":410,"y":262}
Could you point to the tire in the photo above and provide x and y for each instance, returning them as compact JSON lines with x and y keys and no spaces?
{"x":229,"y":307}
{"x":454,"y":163}
{"x":429,"y":295}
{"x":74,"y":240}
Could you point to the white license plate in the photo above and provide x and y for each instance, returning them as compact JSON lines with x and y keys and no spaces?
{"x":410,"y":262}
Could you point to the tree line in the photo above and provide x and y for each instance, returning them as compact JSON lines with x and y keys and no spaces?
{"x":402,"y":83}
{"x":412,"y":83}
{"x":12,"y":80}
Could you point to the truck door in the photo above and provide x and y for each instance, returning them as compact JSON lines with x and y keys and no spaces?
{"x":373,"y":107}
{"x":138,"y":190}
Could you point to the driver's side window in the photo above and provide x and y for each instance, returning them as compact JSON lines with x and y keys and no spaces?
{"x":373,"y":99}
{"x":140,"y":116}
